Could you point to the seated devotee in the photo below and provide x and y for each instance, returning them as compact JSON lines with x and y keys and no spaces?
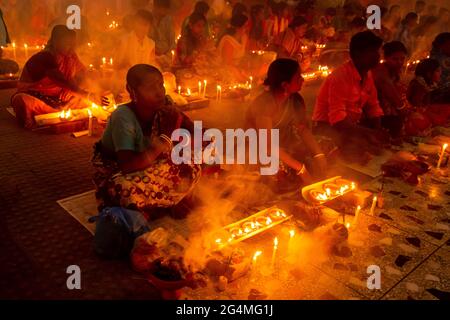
{"x":347,"y":108}
{"x":278,"y":22}
{"x":51,"y":79}
{"x":201,"y":8}
{"x":282,"y":107}
{"x":391,"y":91}
{"x":384,"y":32}
{"x":424,"y":95}
{"x":441,"y":52}
{"x":423,"y":90}
{"x":4,"y":35}
{"x":393,"y":19}
{"x":163,"y":32}
{"x":232,"y":46}
{"x":257,"y":39}
{"x":133,"y":159}
{"x":289,"y":43}
{"x":7,"y":66}
{"x":326,"y":24}
{"x":405,"y":35}
{"x":419,"y":9}
{"x":135,"y":6}
{"x":136,"y":47}
{"x":444,"y":20}
{"x":192,"y":41}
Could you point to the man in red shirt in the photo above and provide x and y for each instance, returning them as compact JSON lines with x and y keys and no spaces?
{"x":347,"y":107}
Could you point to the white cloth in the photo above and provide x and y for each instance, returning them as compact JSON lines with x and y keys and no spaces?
{"x":131,"y":51}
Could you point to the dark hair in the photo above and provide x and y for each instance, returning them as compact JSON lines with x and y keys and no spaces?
{"x":297,"y":22}
{"x":281,"y":70}
{"x":238,"y":21}
{"x":392,"y":47}
{"x":58,"y":32}
{"x":364,"y":41}
{"x":201,"y":7}
{"x":162,"y":4}
{"x":440,"y":39}
{"x":394,"y":6}
{"x":136,"y":73}
{"x":281,"y":6}
{"x":330,"y":12}
{"x":144,"y":15}
{"x":425,"y":68}
{"x":357,"y":22}
{"x":196,"y":17}
{"x":239,"y":9}
{"x":255,"y":9}
{"x":409,"y":17}
{"x":421,"y":2}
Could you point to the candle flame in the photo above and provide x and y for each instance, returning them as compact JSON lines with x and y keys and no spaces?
{"x":218,"y":240}
{"x":292,"y":233}
{"x":90,"y":113}
{"x":444,"y":146}
{"x":348,"y":225}
{"x":268,"y":221}
{"x":256,"y":255}
{"x":275,"y":242}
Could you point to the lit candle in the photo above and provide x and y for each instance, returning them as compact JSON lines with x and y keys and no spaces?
{"x":90,"y":122}
{"x":441,"y":156}
{"x":357,"y":211}
{"x":103,"y":60}
{"x":14,"y":51}
{"x":274,"y":252}
{"x":179,"y":90}
{"x":111,"y":61}
{"x":173,"y":56}
{"x":199,"y":89}
{"x":188,"y":93}
{"x":291,"y":236}
{"x":255,"y":258}
{"x":374,"y":204}
{"x":219,"y":93}
{"x":251,"y":81}
{"x":26,"y":51}
{"x":204,"y":88}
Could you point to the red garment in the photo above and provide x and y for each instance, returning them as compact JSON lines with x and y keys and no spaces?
{"x":34,"y":76}
{"x":342,"y":96}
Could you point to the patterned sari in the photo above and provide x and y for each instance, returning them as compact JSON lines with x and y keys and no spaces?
{"x":162,"y":185}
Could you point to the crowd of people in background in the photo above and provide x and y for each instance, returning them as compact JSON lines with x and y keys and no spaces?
{"x":361,"y":101}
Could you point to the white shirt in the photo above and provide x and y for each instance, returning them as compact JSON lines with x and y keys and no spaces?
{"x":131,"y":51}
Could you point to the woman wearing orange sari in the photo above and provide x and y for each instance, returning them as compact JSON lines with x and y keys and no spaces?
{"x":50,"y":79}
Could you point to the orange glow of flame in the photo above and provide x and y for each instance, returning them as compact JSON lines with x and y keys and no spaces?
{"x":275,"y":242}
{"x":90,"y":113}
{"x":292,"y":233}
{"x":256,"y":255}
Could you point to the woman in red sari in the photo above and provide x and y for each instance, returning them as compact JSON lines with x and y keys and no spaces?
{"x":51,"y":79}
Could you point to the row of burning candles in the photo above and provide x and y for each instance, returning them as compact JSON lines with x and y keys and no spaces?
{"x":202,"y":85}
{"x":249,"y":227}
{"x":329,"y":194}
{"x":14,"y":47}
